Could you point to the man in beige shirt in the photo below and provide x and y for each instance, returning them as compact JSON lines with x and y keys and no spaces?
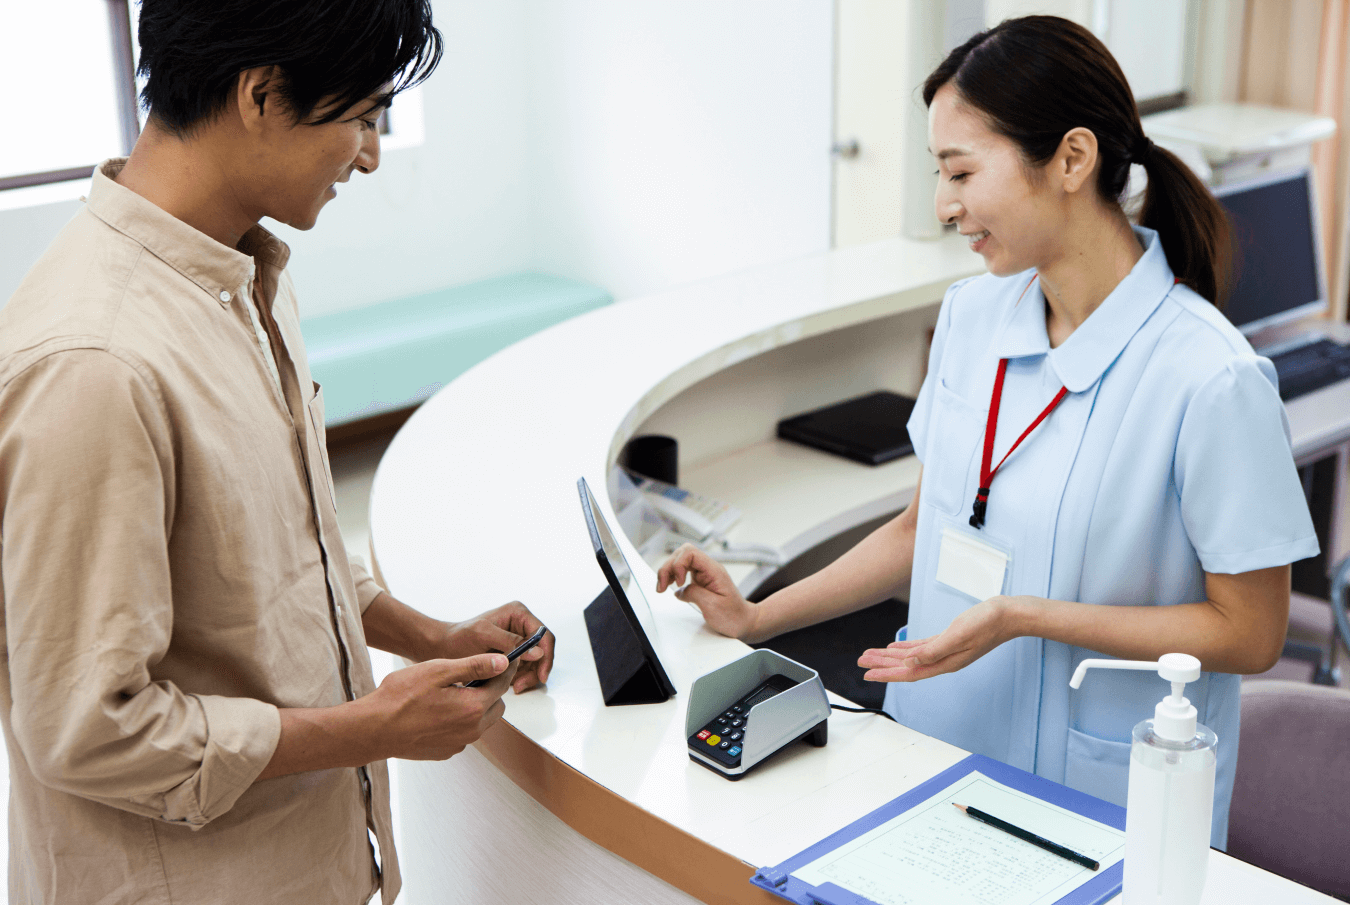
{"x":187,"y":698}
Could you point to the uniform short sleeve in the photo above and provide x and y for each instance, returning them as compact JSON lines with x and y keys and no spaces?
{"x":1241,"y":499}
{"x":923,"y":407}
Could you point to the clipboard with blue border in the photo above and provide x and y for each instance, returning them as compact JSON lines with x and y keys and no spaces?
{"x":1095,"y":891}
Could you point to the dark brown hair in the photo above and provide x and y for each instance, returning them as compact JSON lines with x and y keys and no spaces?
{"x":1037,"y":77}
{"x":330,"y":53}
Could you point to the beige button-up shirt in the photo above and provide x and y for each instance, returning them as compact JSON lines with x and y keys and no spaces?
{"x":172,"y":573}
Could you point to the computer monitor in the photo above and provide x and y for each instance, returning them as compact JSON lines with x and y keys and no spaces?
{"x":1277,"y":262}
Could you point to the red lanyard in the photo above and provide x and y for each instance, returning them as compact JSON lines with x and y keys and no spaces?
{"x":987,"y":473}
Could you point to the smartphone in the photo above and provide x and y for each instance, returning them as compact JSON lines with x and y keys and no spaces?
{"x":524,"y":646}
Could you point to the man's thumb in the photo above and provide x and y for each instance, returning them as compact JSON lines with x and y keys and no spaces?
{"x":480,"y":666}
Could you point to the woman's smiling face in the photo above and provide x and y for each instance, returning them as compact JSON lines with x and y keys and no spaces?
{"x":1013,"y":221}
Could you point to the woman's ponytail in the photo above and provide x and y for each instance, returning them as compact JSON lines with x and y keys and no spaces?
{"x":1190,"y":223}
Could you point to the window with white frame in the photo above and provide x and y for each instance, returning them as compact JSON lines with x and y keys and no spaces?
{"x":76,"y":61}
{"x":72,"y":60}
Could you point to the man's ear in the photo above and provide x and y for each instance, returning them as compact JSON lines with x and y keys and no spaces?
{"x":256,"y":97}
{"x":1076,"y":159}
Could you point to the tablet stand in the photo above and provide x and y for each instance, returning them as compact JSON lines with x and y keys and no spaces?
{"x":625,"y":675}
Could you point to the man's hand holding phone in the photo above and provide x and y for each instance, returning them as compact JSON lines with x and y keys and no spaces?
{"x":503,"y":629}
{"x":440,"y":706}
{"x":515,"y":653}
{"x":452,"y":695}
{"x":428,"y":711}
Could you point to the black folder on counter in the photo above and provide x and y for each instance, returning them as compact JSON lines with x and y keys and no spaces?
{"x":869,"y":429}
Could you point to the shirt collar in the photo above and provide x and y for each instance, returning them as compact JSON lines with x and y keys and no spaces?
{"x":1080,"y":361}
{"x":220,"y":271}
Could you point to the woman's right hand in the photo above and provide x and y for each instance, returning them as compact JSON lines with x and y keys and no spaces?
{"x":710,"y":589}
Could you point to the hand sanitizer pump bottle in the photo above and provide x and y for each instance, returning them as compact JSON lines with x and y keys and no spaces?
{"x":1171,"y":793}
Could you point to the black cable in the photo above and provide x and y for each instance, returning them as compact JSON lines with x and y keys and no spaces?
{"x":864,"y":710}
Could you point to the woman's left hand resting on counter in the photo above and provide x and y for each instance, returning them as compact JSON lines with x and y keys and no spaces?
{"x":1240,"y":629}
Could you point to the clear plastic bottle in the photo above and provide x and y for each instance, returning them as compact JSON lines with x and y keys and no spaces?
{"x":1170,"y":802}
{"x":1167,"y":817}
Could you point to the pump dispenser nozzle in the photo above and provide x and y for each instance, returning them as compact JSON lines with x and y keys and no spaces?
{"x":1174,"y":718}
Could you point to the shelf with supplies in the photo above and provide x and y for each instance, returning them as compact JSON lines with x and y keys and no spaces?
{"x":793,"y":497}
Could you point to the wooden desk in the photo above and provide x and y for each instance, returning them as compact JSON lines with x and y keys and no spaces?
{"x":474,"y":503}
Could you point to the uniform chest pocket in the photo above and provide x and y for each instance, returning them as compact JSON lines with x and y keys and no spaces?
{"x":955,"y":434}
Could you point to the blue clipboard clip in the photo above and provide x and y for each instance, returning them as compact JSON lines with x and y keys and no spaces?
{"x":769,"y":877}
{"x":829,"y":894}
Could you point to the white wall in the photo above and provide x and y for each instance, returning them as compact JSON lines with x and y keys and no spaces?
{"x":452,"y":211}
{"x":679,"y":140}
{"x":635,"y":146}
{"x":24,"y":234}
{"x":1080,"y":11}
{"x":1151,"y":39}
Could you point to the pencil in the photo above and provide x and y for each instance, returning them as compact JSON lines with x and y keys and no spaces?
{"x":1027,"y":836}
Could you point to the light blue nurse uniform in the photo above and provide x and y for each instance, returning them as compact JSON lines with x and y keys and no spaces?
{"x":1169,"y":457}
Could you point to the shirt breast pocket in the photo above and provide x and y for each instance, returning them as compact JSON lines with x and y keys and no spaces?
{"x":955,"y":435}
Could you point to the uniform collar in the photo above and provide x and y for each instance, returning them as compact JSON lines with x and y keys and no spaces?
{"x":214,"y":267}
{"x":1080,"y":361}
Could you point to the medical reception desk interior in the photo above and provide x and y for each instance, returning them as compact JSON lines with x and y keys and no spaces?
{"x":475,"y":503}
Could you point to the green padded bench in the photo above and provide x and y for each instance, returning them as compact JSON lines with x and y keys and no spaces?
{"x":391,"y":356}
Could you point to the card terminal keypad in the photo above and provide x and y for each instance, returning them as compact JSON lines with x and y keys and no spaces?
{"x":723,"y":737}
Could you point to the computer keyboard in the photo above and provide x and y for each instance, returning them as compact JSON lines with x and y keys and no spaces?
{"x":1311,"y":367}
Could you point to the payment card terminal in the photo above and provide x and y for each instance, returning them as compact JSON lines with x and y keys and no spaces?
{"x":721,"y":739}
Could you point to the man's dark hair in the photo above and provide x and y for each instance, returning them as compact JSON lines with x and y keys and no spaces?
{"x":331,"y":52}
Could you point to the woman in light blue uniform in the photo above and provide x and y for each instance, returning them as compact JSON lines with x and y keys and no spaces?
{"x":1134,"y":491}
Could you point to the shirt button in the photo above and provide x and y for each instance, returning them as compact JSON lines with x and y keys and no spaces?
{"x":224,"y":296}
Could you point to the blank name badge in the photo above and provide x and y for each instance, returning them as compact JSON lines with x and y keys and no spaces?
{"x":970,"y":565}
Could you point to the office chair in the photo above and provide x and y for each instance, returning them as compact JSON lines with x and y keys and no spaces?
{"x":1323,"y":655}
{"x":1291,"y":802}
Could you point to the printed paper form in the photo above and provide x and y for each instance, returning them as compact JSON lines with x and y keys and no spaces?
{"x":934,"y":853}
